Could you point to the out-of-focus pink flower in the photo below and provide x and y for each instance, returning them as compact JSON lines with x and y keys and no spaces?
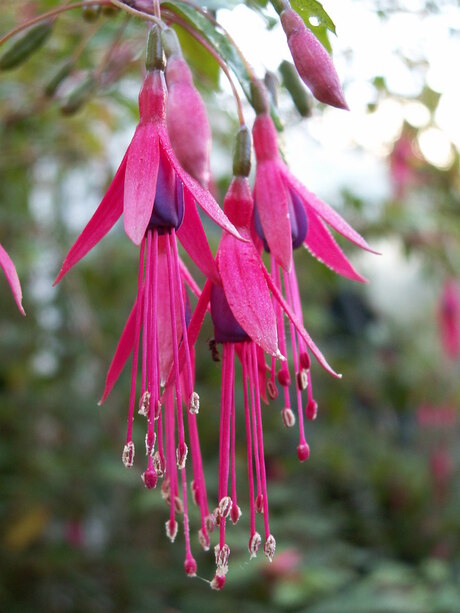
{"x":284,"y":565}
{"x":186,"y":117}
{"x":442,"y":417}
{"x":402,"y":166}
{"x":6,"y":264}
{"x":312,"y":61}
{"x":449,"y":318}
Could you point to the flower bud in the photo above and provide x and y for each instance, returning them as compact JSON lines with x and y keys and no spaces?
{"x":25,"y":45}
{"x":154,"y":59}
{"x":312,"y":61}
{"x":187,"y":121}
{"x":296,"y":89}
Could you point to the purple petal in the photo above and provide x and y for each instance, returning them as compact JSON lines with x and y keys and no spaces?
{"x":247,"y":293}
{"x":272,"y":205}
{"x":141,"y":181}
{"x":6,"y":263}
{"x":320,"y":244}
{"x":193,"y":238}
{"x":103,"y":220}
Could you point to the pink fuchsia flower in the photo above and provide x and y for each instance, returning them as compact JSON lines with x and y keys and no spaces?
{"x":311,"y":59}
{"x":186,"y":117}
{"x":402,"y":169}
{"x":290,"y":215}
{"x":157,"y":198}
{"x":6,"y":264}
{"x":245,"y":323}
{"x":449,"y":318}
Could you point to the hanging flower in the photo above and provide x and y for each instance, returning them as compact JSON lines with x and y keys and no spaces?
{"x":449,"y":318}
{"x":6,"y":264}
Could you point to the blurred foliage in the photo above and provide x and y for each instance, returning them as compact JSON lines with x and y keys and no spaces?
{"x":370,"y":524}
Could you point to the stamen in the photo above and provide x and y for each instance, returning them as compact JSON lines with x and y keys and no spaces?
{"x":144,"y":404}
{"x":127,"y":456}
{"x":247,"y":417}
{"x":269,"y":547}
{"x":254,"y":544}
{"x":288,"y":417}
{"x":150,"y":478}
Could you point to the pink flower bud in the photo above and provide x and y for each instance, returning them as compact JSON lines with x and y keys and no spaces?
{"x":187,"y":121}
{"x":312,"y":61}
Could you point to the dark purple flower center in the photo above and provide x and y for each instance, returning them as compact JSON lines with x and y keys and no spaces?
{"x":297,"y":218}
{"x":226,"y":328}
{"x":168,"y":208}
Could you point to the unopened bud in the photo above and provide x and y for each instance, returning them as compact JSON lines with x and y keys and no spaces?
{"x":150,"y":478}
{"x":272,"y":389}
{"x":154,"y":56}
{"x":127,"y":457}
{"x":218,"y":581}
{"x":259,"y":98}
{"x":311,"y":410}
{"x":235,"y":513}
{"x":194,"y":404}
{"x":90,"y":13}
{"x":181,"y":455}
{"x":144,"y":404}
{"x":203,"y":539}
{"x":288,"y":417}
{"x":190,"y":566}
{"x":159,"y":463}
{"x":150,"y":439}
{"x":260,"y":504}
{"x":303,"y":452}
{"x":302,"y":380}
{"x":171,"y":529}
{"x":296,"y":88}
{"x":79,"y":96}
{"x":58,"y":76}
{"x":254,"y":544}
{"x":25,"y":45}
{"x":284,"y":377}
{"x":269,"y":547}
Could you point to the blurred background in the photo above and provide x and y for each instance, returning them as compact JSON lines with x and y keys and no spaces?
{"x":370,"y":523}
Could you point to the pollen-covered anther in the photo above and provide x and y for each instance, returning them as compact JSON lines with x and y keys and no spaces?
{"x":305,"y":361}
{"x":144,"y":404}
{"x":203,"y":539}
{"x":195,"y":493}
{"x":270,"y":547}
{"x":284,"y":377}
{"x":218,"y":581}
{"x":272,"y":389}
{"x":150,"y":439}
{"x":127,"y":457}
{"x":178,"y":505}
{"x":150,"y":478}
{"x":190,"y":567}
{"x":303,"y":452}
{"x":260,"y":504}
{"x":302,"y":379}
{"x":254,"y":544}
{"x":222,"y":556}
{"x":166,"y":490}
{"x":210,"y":522}
{"x":311,"y":410}
{"x":194,"y":404}
{"x":181,"y":455}
{"x":288,"y":417}
{"x":225,"y":506}
{"x":159,"y":464}
{"x":171,"y":529}
{"x":157,"y":409}
{"x":235,"y":513}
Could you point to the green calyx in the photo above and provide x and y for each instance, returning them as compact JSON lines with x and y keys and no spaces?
{"x":171,"y":43}
{"x":154,"y":59}
{"x":242,"y":154}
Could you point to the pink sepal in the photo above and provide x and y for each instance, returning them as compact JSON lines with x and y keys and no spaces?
{"x":6,"y":263}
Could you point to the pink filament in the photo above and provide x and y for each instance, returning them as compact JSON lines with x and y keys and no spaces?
{"x":247,"y":417}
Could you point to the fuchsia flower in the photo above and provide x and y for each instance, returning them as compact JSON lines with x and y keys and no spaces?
{"x":186,"y":117}
{"x":246,"y":324}
{"x":311,"y":59}
{"x":6,"y":263}
{"x":449,"y":318}
{"x":403,"y":173}
{"x":157,"y":199}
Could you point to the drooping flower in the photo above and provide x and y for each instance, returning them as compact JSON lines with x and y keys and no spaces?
{"x":6,"y":264}
{"x":311,"y":59}
{"x":186,"y":117}
{"x":449,"y":318}
{"x":157,"y":199}
{"x":246,"y":324}
{"x":402,"y":167}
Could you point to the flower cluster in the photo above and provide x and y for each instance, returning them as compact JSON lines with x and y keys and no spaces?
{"x":162,"y":178}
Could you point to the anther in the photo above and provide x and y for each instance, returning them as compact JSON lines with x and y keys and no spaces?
{"x":269,"y":547}
{"x":127,"y":457}
{"x":311,"y":410}
{"x":190,"y":567}
{"x":181,"y":455}
{"x":303,"y":452}
{"x":284,"y":377}
{"x":288,"y":417}
{"x":235,"y":513}
{"x":260,"y":504}
{"x":222,"y":556}
{"x":210,"y":522}
{"x":225,"y":506}
{"x":305,"y":361}
{"x":203,"y":539}
{"x":150,"y":439}
{"x":171,"y":529}
{"x":218,"y":581}
{"x":150,"y":478}
{"x":194,"y":404}
{"x":144,"y":404}
{"x":254,"y":544}
{"x":178,"y":505}
{"x":159,"y":464}
{"x":302,"y":380}
{"x":272,"y":389}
